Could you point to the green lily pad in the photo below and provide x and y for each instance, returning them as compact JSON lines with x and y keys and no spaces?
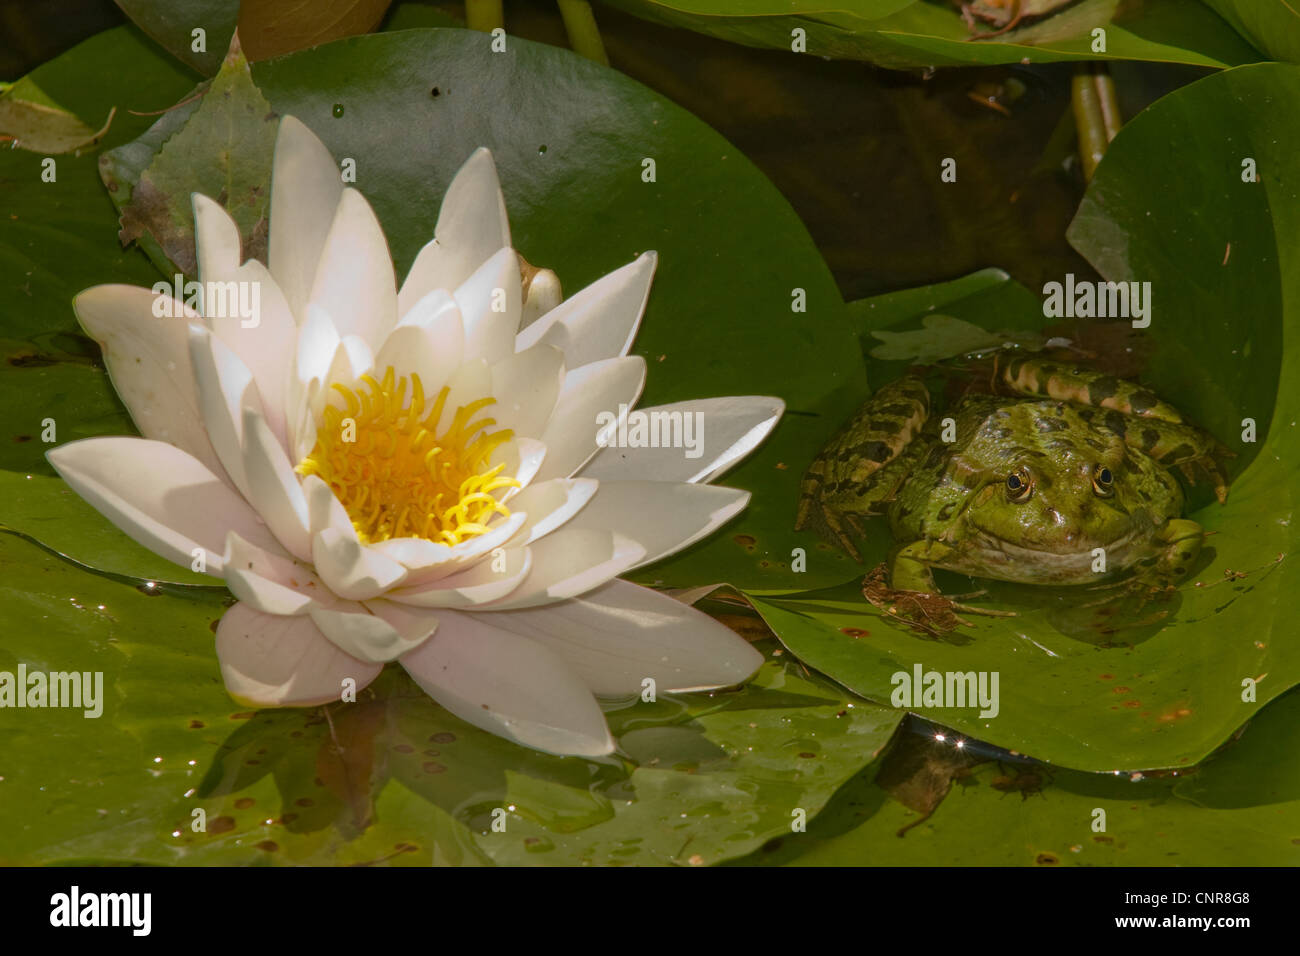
{"x":1251,"y":772}
{"x":58,"y":238}
{"x":1078,"y":687}
{"x":1271,"y":25}
{"x":903,"y":34}
{"x":1230,"y":811}
{"x":172,"y":25}
{"x":391,"y":778}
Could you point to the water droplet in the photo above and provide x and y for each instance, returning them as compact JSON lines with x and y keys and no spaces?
{"x":338,"y":110}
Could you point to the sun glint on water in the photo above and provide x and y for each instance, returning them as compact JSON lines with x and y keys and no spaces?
{"x":398,"y":478}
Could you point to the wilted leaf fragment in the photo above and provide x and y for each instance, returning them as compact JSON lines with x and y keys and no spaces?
{"x":46,"y":129}
{"x":223,"y":151}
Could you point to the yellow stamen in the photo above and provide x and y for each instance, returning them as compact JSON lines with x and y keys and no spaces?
{"x":396,"y":472}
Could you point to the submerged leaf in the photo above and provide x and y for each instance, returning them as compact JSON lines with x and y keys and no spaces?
{"x":941,"y":337}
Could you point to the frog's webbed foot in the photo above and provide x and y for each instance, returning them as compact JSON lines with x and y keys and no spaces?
{"x":835,"y":521}
{"x":1212,"y":466}
{"x":1190,"y":450}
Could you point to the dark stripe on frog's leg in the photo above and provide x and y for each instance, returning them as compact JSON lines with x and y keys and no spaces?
{"x":851,"y":504}
{"x":1071,"y":383}
{"x":876,"y":434}
{"x":809,"y":490}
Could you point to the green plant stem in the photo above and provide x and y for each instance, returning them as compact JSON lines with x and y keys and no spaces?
{"x":584,"y":35}
{"x":484,"y":15}
{"x":1108,"y":100}
{"x":1090,"y":118}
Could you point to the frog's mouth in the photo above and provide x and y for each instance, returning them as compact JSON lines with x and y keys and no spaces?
{"x":996,"y":557}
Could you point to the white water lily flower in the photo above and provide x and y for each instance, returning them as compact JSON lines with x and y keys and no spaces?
{"x":415,"y":474}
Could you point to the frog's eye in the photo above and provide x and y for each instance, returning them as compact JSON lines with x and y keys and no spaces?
{"x":1020,"y":486}
{"x":1103,"y":482}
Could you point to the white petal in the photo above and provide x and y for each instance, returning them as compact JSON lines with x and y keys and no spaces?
{"x":355,"y":283}
{"x":305,"y":190}
{"x":489,"y":580}
{"x":264,"y":344}
{"x":510,"y":686}
{"x":472,"y":226}
{"x":730,"y":428}
{"x":526,"y":386}
{"x":662,"y":516}
{"x":148,"y":359}
{"x":549,"y":504}
{"x":490,"y":301}
{"x":414,"y":553}
{"x":599,"y":322}
{"x":424,"y":569}
{"x":567,"y":563}
{"x":226,"y":388}
{"x":431,"y":307}
{"x":318,"y":341}
{"x":469,"y":383}
{"x":318,"y":344}
{"x":162,"y":497}
{"x":594,"y":398}
{"x":351,"y":569}
{"x":523,"y":458}
{"x":216,"y":241}
{"x":273,"y":661}
{"x":360,"y":359}
{"x":377,"y":631}
{"x":429,"y":345}
{"x":273,"y":488}
{"x":271,"y":583}
{"x":621,"y":633}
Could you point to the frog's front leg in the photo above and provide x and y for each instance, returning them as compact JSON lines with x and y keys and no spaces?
{"x":910,"y":565}
{"x":1181,"y":541}
{"x":865,"y":494}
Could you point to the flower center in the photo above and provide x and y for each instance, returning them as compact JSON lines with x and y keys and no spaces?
{"x":395,"y":476}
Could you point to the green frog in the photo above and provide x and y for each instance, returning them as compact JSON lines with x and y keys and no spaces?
{"x":1062,"y":476}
